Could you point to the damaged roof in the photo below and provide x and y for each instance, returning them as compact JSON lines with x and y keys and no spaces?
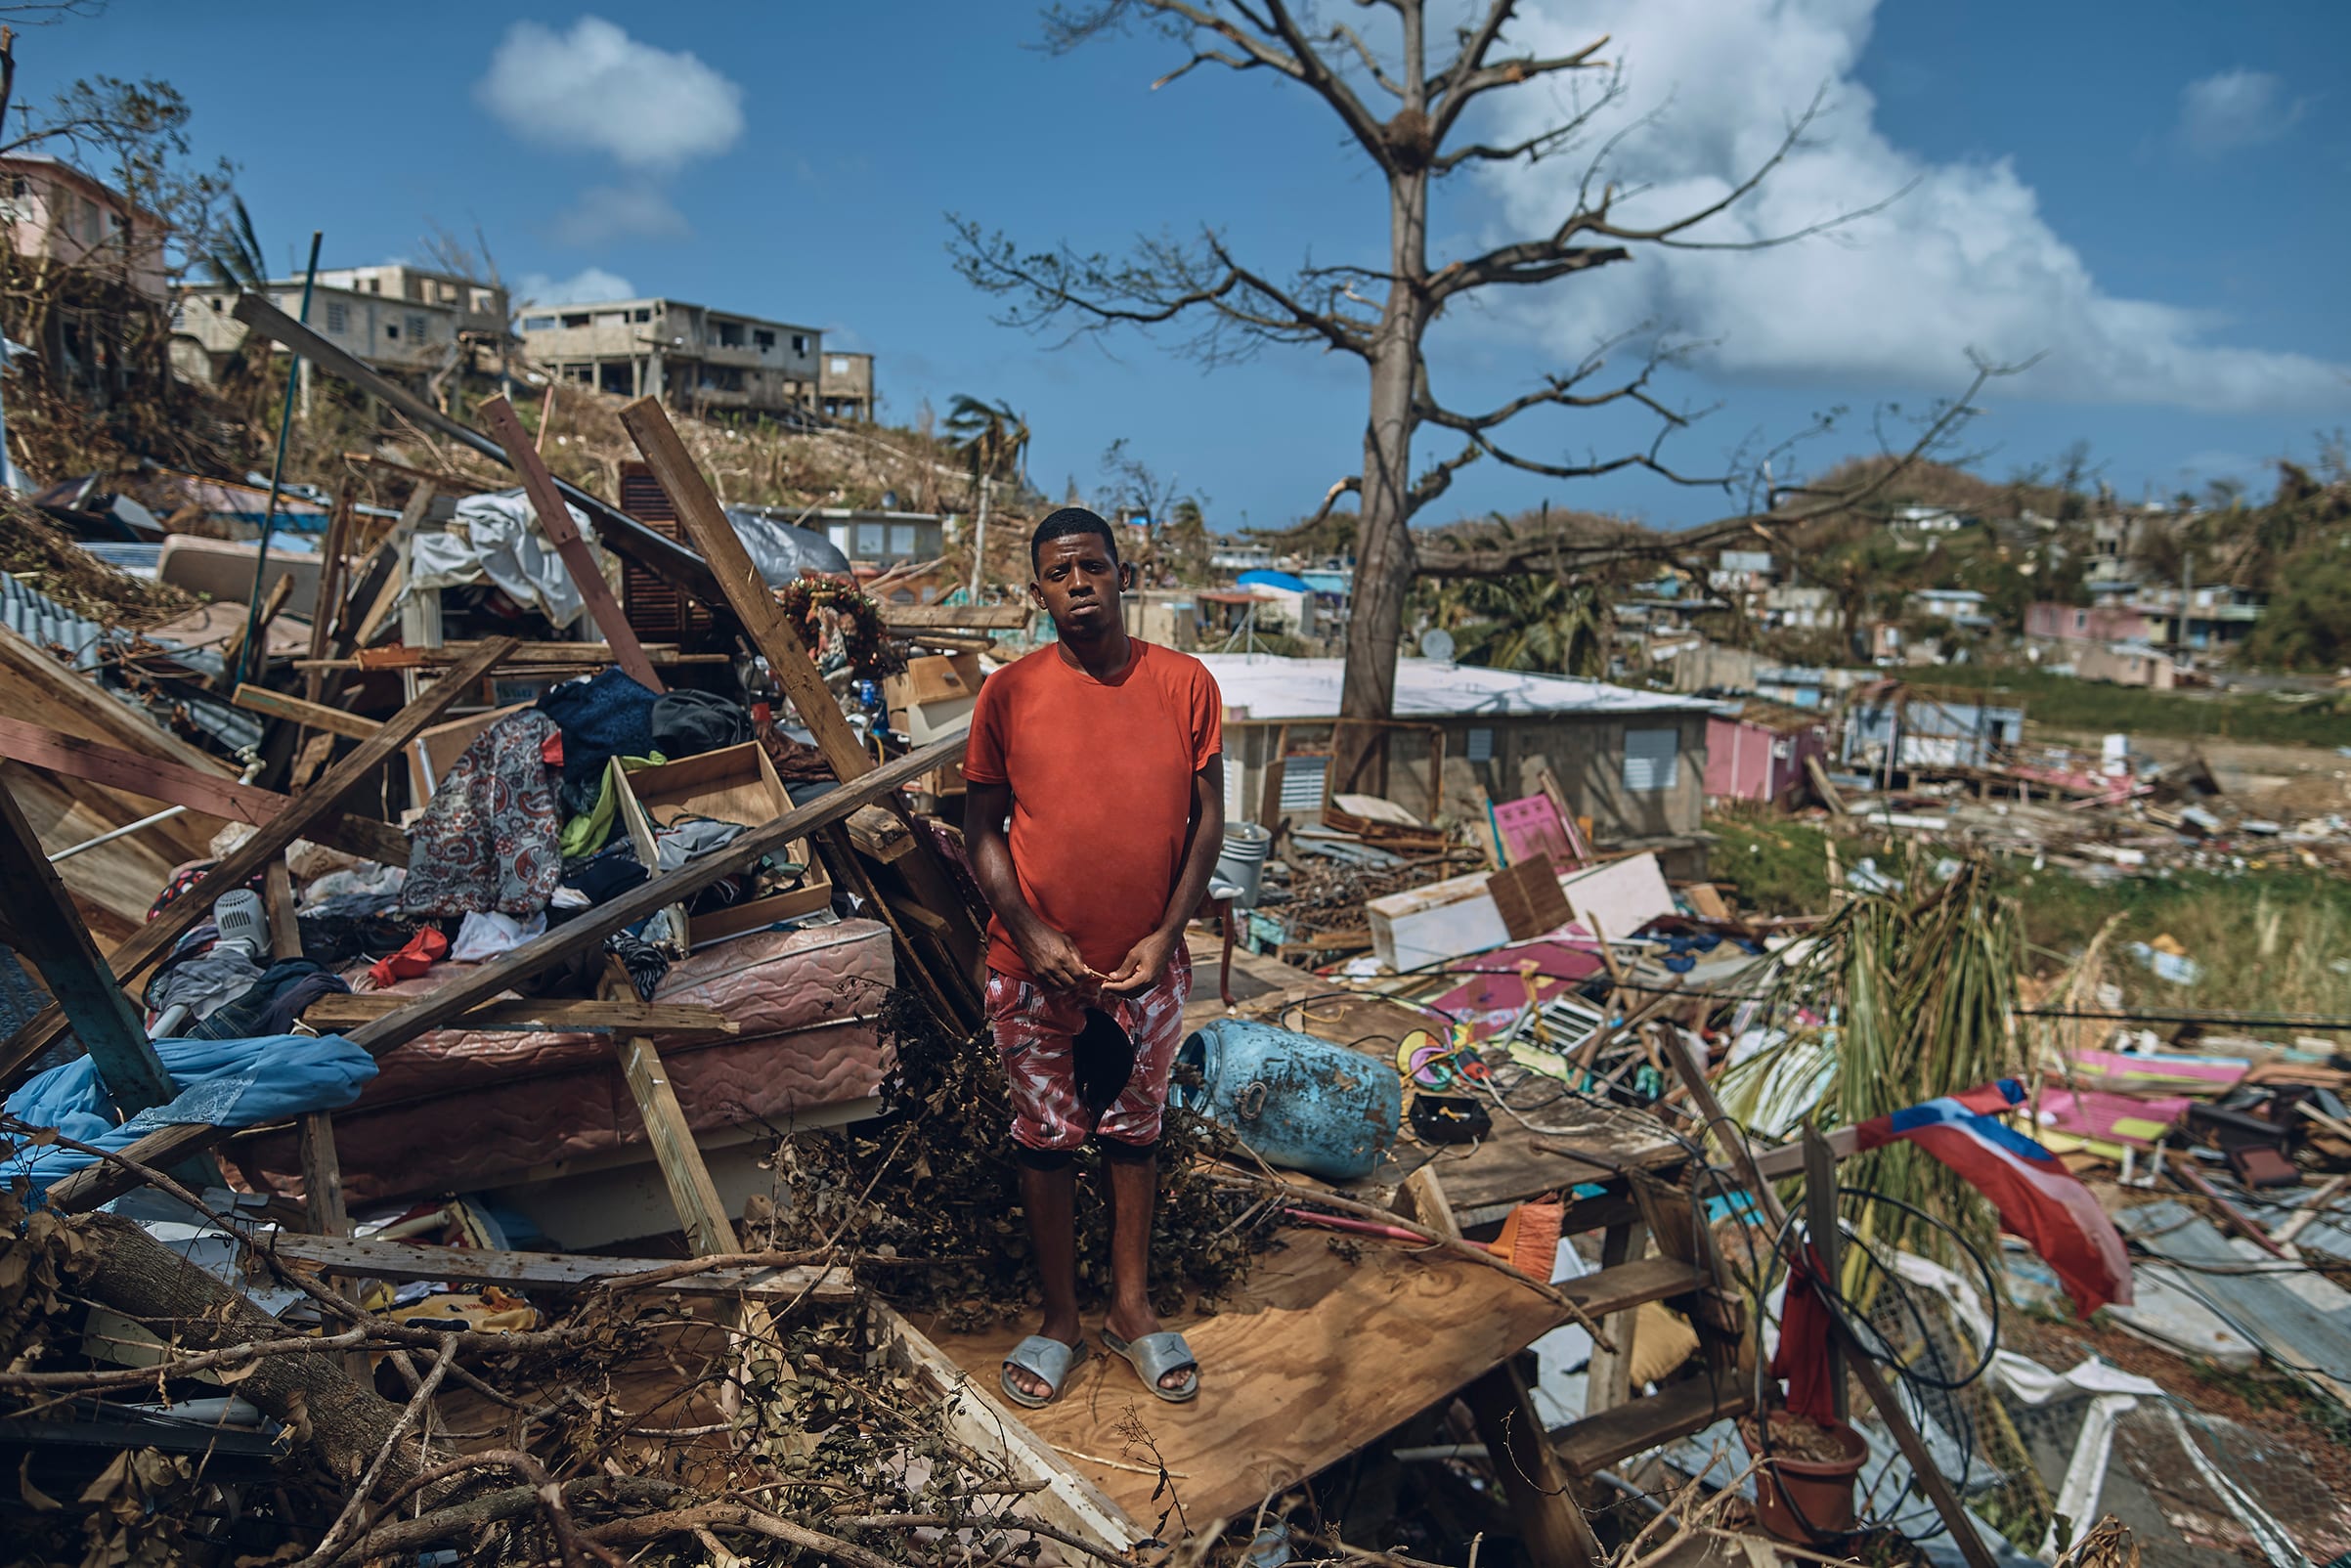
{"x":1273,"y":687}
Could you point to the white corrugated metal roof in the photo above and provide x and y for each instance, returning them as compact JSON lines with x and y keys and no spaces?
{"x":1273,"y":687}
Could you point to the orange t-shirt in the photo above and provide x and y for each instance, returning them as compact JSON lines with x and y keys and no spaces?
{"x":1100,"y":776}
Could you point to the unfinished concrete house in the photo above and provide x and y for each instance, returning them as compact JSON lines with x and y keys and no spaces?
{"x":406,"y":320}
{"x":845,"y":387}
{"x":689,"y":356}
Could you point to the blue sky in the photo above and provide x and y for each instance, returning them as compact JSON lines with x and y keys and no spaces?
{"x":2152,"y":196}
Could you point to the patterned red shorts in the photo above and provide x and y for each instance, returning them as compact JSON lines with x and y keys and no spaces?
{"x":1033,"y":1031}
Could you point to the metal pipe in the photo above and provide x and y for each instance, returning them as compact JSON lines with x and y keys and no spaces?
{"x":252,"y":772}
{"x":269,"y":518}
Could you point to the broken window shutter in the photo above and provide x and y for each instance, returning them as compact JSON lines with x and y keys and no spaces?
{"x":1302,"y":782}
{"x":1652,"y":759}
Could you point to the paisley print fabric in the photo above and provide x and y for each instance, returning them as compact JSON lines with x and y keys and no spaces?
{"x":487,"y":841}
{"x":1034,"y":1029}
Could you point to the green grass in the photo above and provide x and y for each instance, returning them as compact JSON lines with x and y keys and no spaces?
{"x":2268,"y":941}
{"x":2061,"y":702}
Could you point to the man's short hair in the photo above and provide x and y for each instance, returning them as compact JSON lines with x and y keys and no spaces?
{"x":1066,"y":522}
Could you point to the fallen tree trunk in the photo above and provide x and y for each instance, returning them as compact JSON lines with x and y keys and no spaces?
{"x":347,"y":1424}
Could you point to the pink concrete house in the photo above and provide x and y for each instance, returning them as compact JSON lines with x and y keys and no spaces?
{"x":53,"y":209}
{"x":2073,"y":622}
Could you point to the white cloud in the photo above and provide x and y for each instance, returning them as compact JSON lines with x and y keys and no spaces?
{"x":596,"y":89}
{"x":1964,"y":262}
{"x":2234,"y":108}
{"x":584,"y":288}
{"x":620,"y":211}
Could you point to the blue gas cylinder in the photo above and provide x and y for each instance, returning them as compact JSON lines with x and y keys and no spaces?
{"x":1299,"y":1101}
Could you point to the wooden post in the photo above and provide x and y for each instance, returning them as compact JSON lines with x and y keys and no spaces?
{"x":747,"y":593}
{"x":1931,"y":1480}
{"x":1608,"y":1383}
{"x":1550,"y":1526}
{"x":37,"y":917}
{"x":556,"y":518}
{"x":322,"y":1166}
{"x":700,"y":1210}
{"x":1820,"y":1221}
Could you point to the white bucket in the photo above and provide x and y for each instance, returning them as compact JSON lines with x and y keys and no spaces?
{"x":1242,"y":861}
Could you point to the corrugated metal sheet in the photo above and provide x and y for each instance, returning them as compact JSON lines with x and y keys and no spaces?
{"x":2299,"y":1319}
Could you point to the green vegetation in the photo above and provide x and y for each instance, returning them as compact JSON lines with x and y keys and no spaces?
{"x":2269,"y":939}
{"x":2061,"y":702}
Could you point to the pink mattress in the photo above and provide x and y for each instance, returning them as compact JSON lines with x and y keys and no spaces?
{"x":459,"y":1110}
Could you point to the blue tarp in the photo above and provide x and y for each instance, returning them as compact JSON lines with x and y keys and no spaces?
{"x":1287,"y":582}
{"x":227,"y":1084}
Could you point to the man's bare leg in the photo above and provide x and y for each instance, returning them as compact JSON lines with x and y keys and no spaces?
{"x":1051,"y":1199}
{"x":1134,"y":1190}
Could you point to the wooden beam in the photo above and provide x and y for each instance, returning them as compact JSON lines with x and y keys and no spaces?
{"x":700,"y":1210}
{"x":592,"y":925}
{"x":43,"y":925}
{"x":232,"y":651}
{"x":556,"y":521}
{"x":975,"y":1416}
{"x":213,"y":794}
{"x":617,"y":1015}
{"x":270,"y":839}
{"x":771,"y":630}
{"x":664,"y":557}
{"x":555,"y":1273}
{"x":1821,"y":1224}
{"x":1789,"y":1159}
{"x":943,"y":617}
{"x":315,"y":714}
{"x":322,"y":1165}
{"x":104,"y":1182}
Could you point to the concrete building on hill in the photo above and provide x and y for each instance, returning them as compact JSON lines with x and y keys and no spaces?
{"x":408,"y":322}
{"x":691,"y":357}
{"x":53,"y":211}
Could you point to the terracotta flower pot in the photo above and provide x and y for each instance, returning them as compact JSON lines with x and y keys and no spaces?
{"x":1805,"y":1497}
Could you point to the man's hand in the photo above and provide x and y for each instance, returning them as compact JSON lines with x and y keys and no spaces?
{"x":1054,"y":960}
{"x":1145,"y":963}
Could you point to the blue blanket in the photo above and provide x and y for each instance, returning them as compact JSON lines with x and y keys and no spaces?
{"x":227,"y":1084}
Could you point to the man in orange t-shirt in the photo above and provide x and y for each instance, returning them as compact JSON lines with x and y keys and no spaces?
{"x":1101,"y":755}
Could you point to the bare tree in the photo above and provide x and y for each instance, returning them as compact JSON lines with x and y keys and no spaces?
{"x":1415,"y":138}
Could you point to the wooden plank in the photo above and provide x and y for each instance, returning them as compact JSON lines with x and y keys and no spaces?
{"x":772,"y":634}
{"x":315,"y":714}
{"x":1626,"y":1286}
{"x":1608,"y":1383}
{"x":69,"y":704}
{"x":592,"y":925}
{"x":664,"y":557}
{"x":1310,"y":1359}
{"x":213,"y":794}
{"x":161,"y":1150}
{"x":695,"y":1197}
{"x":1677,"y":1409}
{"x":322,"y":1165}
{"x":1067,"y":1499}
{"x":270,"y":839}
{"x":555,"y":520}
{"x":1789,"y":1159}
{"x":555,"y":1273}
{"x":613,"y":1015}
{"x":41,"y":923}
{"x":232,"y":651}
{"x":1821,"y":1226}
{"x":971,"y":617}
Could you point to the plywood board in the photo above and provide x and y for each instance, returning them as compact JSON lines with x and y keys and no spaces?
{"x":1318,"y":1357}
{"x":1623,"y":895}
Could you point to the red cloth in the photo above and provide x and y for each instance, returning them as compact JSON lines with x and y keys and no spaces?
{"x":427,"y":948}
{"x":1802,"y":1358}
{"x":1100,"y":776}
{"x":550,"y":749}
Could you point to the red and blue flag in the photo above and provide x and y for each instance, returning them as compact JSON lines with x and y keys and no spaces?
{"x":2036,"y":1196}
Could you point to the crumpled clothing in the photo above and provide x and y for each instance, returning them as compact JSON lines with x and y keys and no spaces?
{"x":226,"y":1083}
{"x":336,"y":930}
{"x":691,"y":838}
{"x":486,"y":936}
{"x":497,"y":538}
{"x":487,"y":841}
{"x":586,"y":832}
{"x":687,"y":723}
{"x":424,"y":950}
{"x":274,"y":1003}
{"x":608,"y":875}
{"x":645,"y":963}
{"x":605,"y":716}
{"x":365,"y":880}
{"x":205,"y":983}
{"x":794,"y":759}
